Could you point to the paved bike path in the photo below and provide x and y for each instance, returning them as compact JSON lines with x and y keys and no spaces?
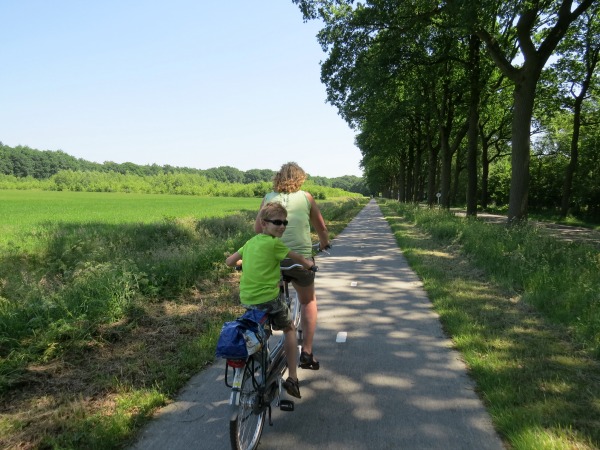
{"x":389,"y":377}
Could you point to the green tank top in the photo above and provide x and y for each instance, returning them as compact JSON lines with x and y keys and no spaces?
{"x":297,"y":233}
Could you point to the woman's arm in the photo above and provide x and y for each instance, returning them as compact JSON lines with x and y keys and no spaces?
{"x":318,"y":223}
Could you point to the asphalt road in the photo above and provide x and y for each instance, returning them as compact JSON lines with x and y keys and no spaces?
{"x":389,"y":377}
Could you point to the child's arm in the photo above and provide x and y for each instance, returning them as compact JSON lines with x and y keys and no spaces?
{"x":299,"y":259}
{"x":234,"y":260}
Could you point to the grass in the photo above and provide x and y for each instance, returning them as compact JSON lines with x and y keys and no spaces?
{"x":109,"y":303}
{"x":522,"y":309}
{"x":25,"y":215}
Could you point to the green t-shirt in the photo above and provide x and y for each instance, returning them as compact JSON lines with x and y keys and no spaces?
{"x":261,"y":256}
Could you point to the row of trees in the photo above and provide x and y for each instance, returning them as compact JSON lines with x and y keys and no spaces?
{"x":167,"y":183}
{"x":23,"y":162}
{"x":448,"y":96}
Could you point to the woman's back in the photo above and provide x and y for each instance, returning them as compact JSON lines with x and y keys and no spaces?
{"x":297,"y":233}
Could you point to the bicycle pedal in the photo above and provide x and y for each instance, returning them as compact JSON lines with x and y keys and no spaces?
{"x":286,"y":405}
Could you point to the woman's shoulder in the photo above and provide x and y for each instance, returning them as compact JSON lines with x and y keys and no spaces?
{"x":303,"y":197}
{"x":308,"y":196}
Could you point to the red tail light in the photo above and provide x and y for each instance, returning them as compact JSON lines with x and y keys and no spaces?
{"x":236,"y":363}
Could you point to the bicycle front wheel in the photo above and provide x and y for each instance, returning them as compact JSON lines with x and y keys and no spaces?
{"x":248,"y":418}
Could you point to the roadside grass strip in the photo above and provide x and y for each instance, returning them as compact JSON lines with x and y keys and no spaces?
{"x":540,"y":385}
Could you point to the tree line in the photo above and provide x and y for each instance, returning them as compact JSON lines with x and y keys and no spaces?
{"x":484,"y":102}
{"x":60,"y":171}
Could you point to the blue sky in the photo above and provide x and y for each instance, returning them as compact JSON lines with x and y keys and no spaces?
{"x":185,"y":82}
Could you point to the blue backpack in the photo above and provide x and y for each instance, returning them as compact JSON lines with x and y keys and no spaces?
{"x":241,"y":335}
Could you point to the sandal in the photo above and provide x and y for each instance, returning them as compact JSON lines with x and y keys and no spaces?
{"x":292,"y":387}
{"x":308,"y":361}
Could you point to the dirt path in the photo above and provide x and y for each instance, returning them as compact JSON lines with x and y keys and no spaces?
{"x":565,"y":232}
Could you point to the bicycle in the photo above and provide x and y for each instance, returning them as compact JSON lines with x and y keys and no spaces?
{"x":257,"y":380}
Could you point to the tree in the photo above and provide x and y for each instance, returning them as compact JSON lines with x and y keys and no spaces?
{"x":531,"y":28}
{"x":225,"y":174}
{"x":575,"y":72}
{"x":543,"y":23}
{"x":258,"y":175}
{"x":383,"y":65}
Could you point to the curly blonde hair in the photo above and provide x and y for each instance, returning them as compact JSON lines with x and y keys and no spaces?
{"x":289,"y":178}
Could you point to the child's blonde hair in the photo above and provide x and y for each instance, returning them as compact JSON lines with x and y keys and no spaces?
{"x":272,"y":209}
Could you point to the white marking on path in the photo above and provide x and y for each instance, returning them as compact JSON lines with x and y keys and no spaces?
{"x":341,"y":337}
{"x":353,"y":284}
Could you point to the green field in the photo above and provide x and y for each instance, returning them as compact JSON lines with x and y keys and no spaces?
{"x":28,"y":211}
{"x":26,"y":208}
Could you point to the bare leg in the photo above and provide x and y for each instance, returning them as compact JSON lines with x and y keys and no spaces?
{"x":291,"y":384}
{"x":308,"y":299}
{"x":291,"y":351}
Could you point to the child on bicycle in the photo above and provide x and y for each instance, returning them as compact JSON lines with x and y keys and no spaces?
{"x":259,"y":283}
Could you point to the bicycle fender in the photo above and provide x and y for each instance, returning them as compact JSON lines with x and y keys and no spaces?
{"x":234,"y":399}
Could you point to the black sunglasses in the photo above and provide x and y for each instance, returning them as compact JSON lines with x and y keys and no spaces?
{"x":277,"y":222}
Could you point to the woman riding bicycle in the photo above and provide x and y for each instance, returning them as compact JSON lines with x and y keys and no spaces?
{"x":302,"y":213}
{"x":259,"y":283}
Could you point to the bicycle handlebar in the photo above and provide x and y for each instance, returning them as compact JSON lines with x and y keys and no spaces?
{"x":284,"y":268}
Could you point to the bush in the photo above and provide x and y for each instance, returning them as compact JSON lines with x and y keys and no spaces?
{"x":82,"y":277}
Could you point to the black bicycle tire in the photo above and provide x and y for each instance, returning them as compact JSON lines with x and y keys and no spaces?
{"x":243,"y":435}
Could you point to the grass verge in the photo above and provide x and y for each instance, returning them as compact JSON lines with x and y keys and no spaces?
{"x":83,"y":366}
{"x":538,"y":376}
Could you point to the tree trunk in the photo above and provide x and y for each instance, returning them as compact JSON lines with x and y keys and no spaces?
{"x":574,"y":162}
{"x":417,"y":193}
{"x":485,"y":174}
{"x":402,"y":182}
{"x":473,"y":127}
{"x":446,"y":174}
{"x":524,"y":97}
{"x":457,"y":170}
{"x":431,"y":170}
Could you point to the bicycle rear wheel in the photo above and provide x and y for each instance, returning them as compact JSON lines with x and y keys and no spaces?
{"x":247,"y":421}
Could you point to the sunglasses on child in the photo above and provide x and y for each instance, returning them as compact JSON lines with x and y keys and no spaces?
{"x":277,"y":222}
